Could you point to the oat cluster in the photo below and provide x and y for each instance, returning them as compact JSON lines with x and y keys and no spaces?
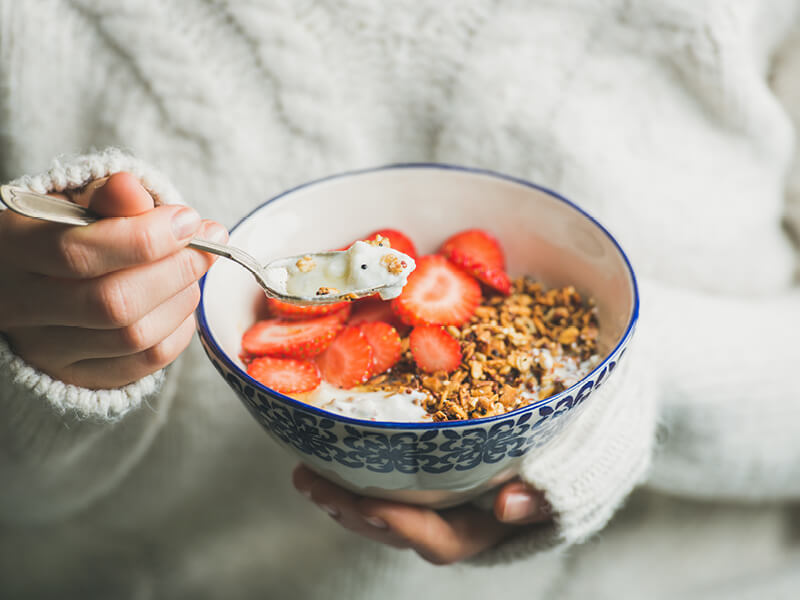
{"x":305,"y":264}
{"x":380,"y":241}
{"x":393,"y":264}
{"x":511,"y":345}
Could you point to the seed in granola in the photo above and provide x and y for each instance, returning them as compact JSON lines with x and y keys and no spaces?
{"x":325,"y":291}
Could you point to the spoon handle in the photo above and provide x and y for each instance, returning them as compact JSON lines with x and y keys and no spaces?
{"x":238,"y":256}
{"x":56,"y":210}
{"x":45,"y":208}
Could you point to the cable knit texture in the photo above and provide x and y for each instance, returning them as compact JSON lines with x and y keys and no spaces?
{"x":672,"y":122}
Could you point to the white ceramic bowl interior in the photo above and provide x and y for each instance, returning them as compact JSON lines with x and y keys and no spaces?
{"x":543,"y":236}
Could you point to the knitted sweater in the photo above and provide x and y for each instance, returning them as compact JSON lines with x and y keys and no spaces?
{"x":671,"y":122}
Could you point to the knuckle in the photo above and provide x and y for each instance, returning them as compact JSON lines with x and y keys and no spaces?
{"x":135,"y":337}
{"x":166,"y":351}
{"x":146,"y":244}
{"x":113,"y":302}
{"x":77,"y":258}
{"x":159,"y":355}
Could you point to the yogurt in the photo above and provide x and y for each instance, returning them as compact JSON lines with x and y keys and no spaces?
{"x":371,"y":406}
{"x":362,"y":266}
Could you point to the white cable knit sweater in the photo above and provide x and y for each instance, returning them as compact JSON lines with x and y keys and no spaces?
{"x":673,"y":122}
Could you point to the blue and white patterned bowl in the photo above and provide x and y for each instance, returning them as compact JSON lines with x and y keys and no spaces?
{"x":434,"y":464}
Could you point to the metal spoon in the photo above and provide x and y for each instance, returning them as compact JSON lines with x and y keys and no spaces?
{"x":56,"y":210}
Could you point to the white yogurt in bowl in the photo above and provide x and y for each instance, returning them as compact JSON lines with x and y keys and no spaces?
{"x":370,"y":406}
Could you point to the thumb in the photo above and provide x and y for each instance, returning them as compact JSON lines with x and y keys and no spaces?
{"x":520,"y":504}
{"x":120,"y":195}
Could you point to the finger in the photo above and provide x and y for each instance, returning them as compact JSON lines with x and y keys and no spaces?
{"x":120,"y":195}
{"x":109,"y":373}
{"x":439,"y":537}
{"x":520,"y":504}
{"x":57,"y":346}
{"x":341,"y":505}
{"x":87,"y":252}
{"x":113,"y":301}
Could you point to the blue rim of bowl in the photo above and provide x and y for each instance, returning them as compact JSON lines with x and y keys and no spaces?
{"x":205,"y":330}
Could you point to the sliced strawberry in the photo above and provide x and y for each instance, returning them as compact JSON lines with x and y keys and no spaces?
{"x":295,"y":339}
{"x":493,"y":277}
{"x":285,"y":375}
{"x":347,"y":360}
{"x":397,"y":240}
{"x":372,"y":309}
{"x":437,"y":292}
{"x":386,"y":346}
{"x":285,"y":310}
{"x":481,"y":248}
{"x":434,"y":349}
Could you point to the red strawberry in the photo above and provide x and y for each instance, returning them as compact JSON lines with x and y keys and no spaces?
{"x":434,"y":349}
{"x":397,"y":240}
{"x":480,"y":246}
{"x":493,"y":277}
{"x":285,"y":375}
{"x":295,"y":339}
{"x":437,"y":293}
{"x":295,"y":311}
{"x":480,"y":255}
{"x":372,"y":309}
{"x":347,"y":360}
{"x":385,"y":343}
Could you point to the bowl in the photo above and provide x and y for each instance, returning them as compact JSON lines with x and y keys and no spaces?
{"x":431,"y":464}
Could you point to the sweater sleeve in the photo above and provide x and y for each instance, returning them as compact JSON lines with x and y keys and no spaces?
{"x":729,"y":404}
{"x":587,"y":474}
{"x":63,"y":446}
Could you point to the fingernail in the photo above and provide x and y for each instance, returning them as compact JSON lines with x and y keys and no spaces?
{"x":519,"y":506}
{"x":184,"y":223}
{"x":214,"y":232}
{"x":306,"y":493}
{"x":331,"y":510}
{"x":376,"y":522}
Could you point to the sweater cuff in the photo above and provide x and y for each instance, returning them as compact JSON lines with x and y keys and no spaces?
{"x":76,"y":172}
{"x":23,"y":384}
{"x":586,"y":475}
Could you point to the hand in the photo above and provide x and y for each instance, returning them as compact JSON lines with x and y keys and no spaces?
{"x":103,"y":305}
{"x":440,"y":537}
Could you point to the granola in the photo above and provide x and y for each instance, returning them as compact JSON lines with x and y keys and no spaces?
{"x":305,"y":264}
{"x":515,"y":350}
{"x":325,"y":291}
{"x":393,"y":264}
